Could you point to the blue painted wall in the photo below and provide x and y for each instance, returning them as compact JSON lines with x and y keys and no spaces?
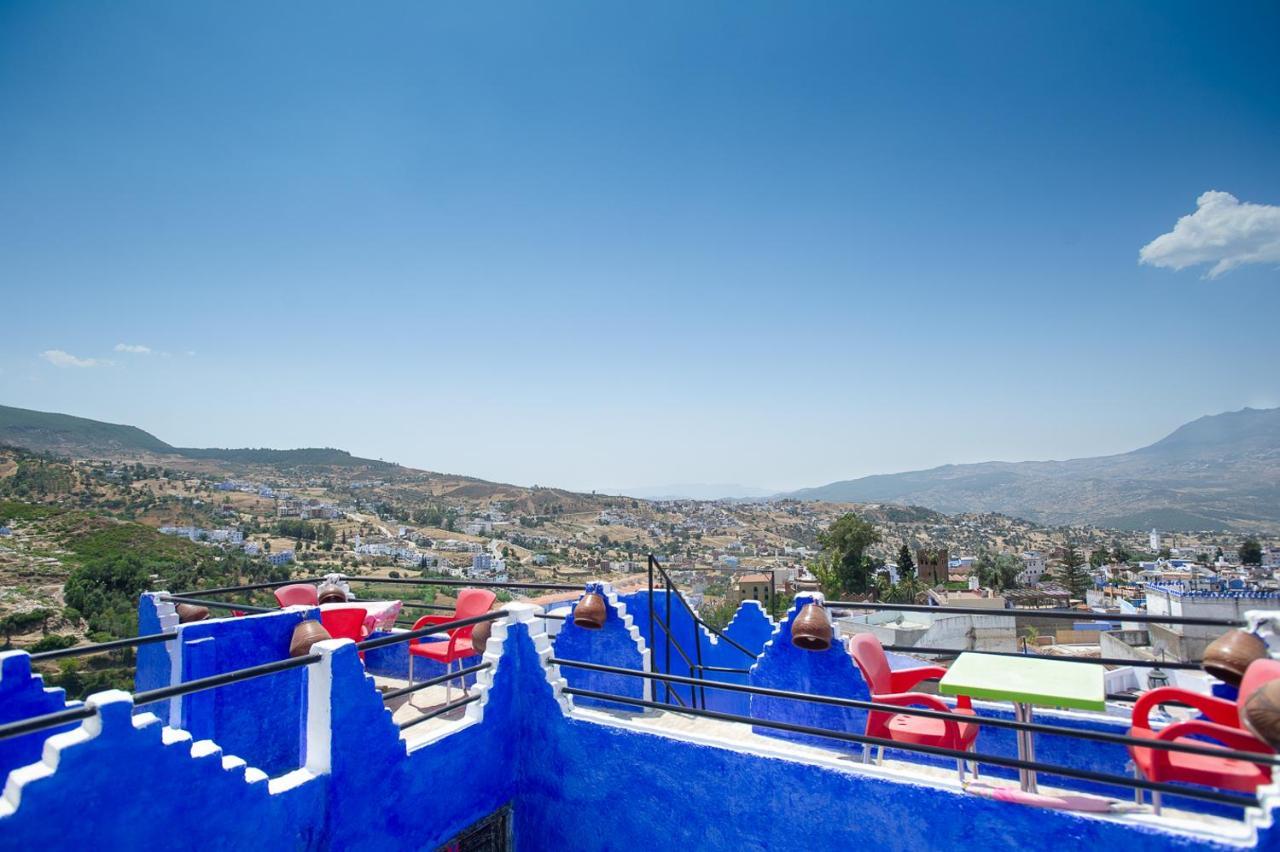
{"x":256,"y":719}
{"x":23,"y":695}
{"x":614,"y":644}
{"x":831,"y":672}
{"x":126,"y":789}
{"x":752,"y":630}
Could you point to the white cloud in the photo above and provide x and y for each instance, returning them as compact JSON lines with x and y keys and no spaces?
{"x":1223,"y":232}
{"x":58,"y":358}
{"x":133,"y":348}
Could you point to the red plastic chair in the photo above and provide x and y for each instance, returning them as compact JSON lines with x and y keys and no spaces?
{"x":298,"y":593}
{"x":1224,"y":726}
{"x":347,"y":623}
{"x":892,"y":687}
{"x":471,"y":602}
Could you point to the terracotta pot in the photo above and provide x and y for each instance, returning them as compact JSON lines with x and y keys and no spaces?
{"x":480,"y":635}
{"x":590,"y":611}
{"x":1230,"y":654}
{"x":1262,"y":713}
{"x":811,"y":631}
{"x":331,"y":595}
{"x":306,"y":634}
{"x":190,"y":612}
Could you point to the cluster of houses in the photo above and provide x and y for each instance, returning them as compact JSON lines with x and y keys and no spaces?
{"x":288,"y":507}
{"x":246,"y":487}
{"x":226,"y":535}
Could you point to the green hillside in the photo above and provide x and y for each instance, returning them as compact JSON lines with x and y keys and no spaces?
{"x":62,"y":433}
{"x":81,"y":437}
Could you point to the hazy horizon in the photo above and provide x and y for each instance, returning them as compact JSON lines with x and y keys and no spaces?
{"x":594,"y":246}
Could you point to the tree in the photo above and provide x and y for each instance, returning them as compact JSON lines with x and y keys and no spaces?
{"x":1120,"y":554}
{"x":1098,"y":557}
{"x":906,"y":565}
{"x":1072,"y":574}
{"x":846,"y":541}
{"x":824,"y":571}
{"x":998,"y":571}
{"x":1250,"y":552}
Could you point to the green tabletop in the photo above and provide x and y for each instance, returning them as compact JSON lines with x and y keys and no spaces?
{"x":1032,"y":680}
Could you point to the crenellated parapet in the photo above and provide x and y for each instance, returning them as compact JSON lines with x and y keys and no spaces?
{"x":832,"y":672}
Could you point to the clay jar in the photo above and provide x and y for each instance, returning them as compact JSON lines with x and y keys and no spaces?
{"x":480,"y":635}
{"x":1230,"y":654}
{"x":306,"y":634}
{"x":1262,"y":713}
{"x":190,"y":612}
{"x":811,"y":631}
{"x":590,"y":611}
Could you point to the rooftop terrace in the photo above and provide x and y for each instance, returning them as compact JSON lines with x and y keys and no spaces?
{"x":560,"y":736}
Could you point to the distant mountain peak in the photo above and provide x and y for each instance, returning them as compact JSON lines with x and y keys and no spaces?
{"x":1219,"y":471}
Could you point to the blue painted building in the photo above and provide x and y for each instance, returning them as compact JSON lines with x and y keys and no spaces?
{"x":311,"y":759}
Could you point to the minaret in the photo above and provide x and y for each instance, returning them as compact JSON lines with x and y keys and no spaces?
{"x":1155,"y":540}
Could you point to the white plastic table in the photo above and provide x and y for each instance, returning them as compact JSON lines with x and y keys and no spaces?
{"x":1026,"y":681}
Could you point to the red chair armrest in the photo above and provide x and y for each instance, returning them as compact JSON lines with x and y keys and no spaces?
{"x":1235,"y":738}
{"x":922,"y":699}
{"x":1219,"y":710}
{"x":903,"y":680}
{"x":428,"y":621}
{"x":1230,"y":737}
{"x":912,"y":699}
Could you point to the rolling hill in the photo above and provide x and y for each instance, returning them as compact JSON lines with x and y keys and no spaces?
{"x":80,"y":437}
{"x":1218,"y":472}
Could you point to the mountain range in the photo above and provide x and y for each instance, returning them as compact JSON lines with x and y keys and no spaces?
{"x":1218,"y":472}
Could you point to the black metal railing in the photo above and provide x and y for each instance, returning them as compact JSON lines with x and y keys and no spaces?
{"x":661,"y":583}
{"x":1193,"y":665}
{"x":979,"y":757}
{"x":463,"y":583}
{"x":238,"y":607}
{"x":151,"y":696}
{"x":103,"y":647}
{"x":249,"y":587}
{"x":1065,"y":614}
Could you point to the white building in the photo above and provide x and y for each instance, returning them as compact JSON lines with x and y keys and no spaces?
{"x":1033,"y":568}
{"x":1154,"y":540}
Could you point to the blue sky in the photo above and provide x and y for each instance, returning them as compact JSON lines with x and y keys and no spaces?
{"x":602,"y":245}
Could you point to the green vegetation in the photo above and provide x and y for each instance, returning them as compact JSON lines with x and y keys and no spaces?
{"x":906,"y":563}
{"x":844,"y":544}
{"x":1250,"y":552}
{"x":37,"y":477}
{"x":1073,"y":575}
{"x":998,"y":571}
{"x":42,"y":430}
{"x":321,"y":533}
{"x":111,"y":563}
{"x":12,"y":510}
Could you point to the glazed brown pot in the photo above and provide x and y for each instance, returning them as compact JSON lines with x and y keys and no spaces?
{"x":190,"y":612}
{"x":1230,"y":654}
{"x":306,"y":634}
{"x":590,"y":611}
{"x":1262,"y":713}
{"x":811,"y":631}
